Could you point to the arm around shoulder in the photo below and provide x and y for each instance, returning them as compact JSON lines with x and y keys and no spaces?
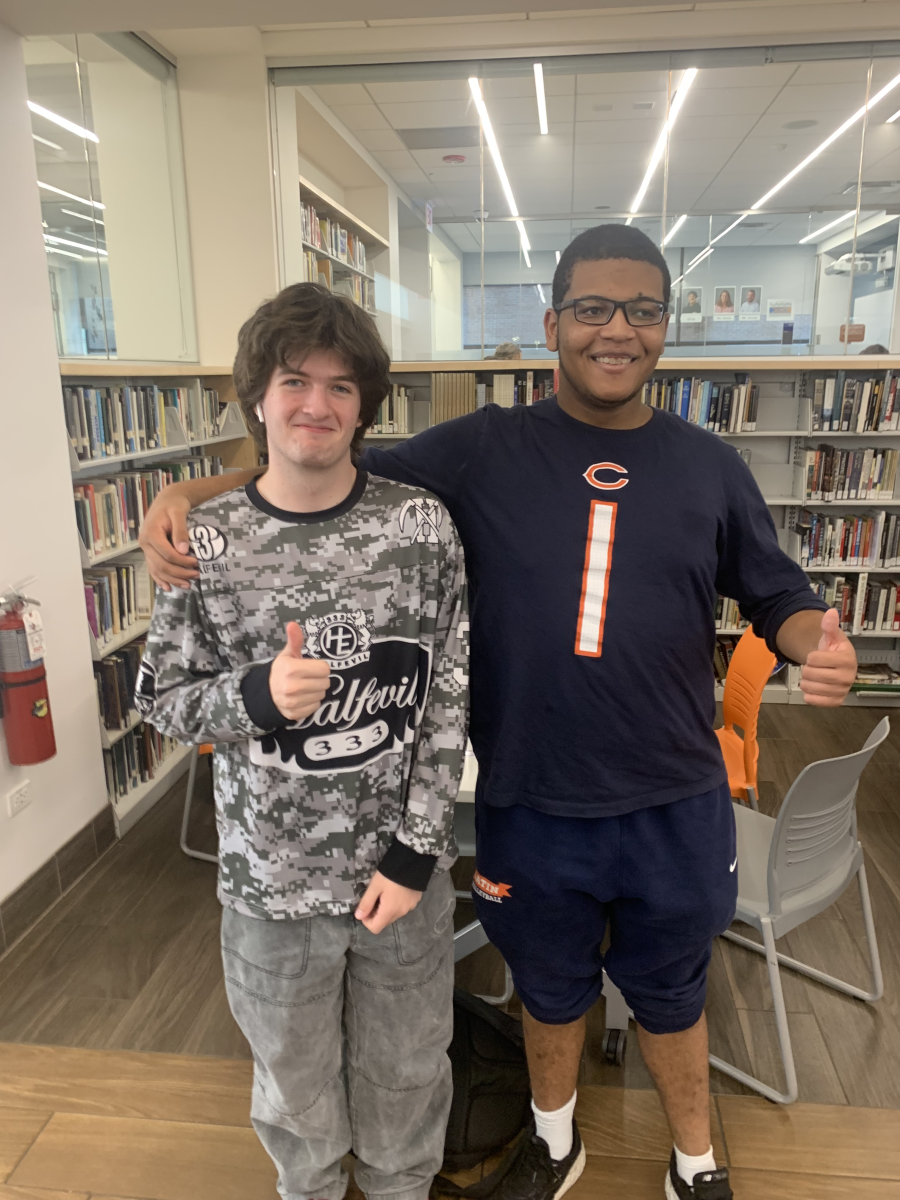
{"x":164,"y":533}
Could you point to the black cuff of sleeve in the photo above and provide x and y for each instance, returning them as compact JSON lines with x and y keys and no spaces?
{"x":407,"y":867}
{"x":258,"y":700}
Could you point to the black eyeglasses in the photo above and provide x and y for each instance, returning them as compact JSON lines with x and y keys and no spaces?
{"x":597,"y":310}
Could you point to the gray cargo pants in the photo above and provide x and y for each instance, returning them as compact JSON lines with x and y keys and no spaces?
{"x":349,"y":1034}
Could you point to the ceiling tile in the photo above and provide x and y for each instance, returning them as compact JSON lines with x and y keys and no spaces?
{"x":360,"y":116}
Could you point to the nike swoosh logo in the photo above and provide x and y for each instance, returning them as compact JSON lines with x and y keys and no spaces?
{"x":733,"y":865}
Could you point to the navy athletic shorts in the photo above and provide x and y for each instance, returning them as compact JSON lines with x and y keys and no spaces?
{"x":663,"y":879}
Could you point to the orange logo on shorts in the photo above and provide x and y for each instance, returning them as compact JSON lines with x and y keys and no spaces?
{"x":488,"y":890}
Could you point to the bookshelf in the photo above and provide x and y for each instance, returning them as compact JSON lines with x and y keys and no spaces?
{"x":204,"y":430}
{"x":776,"y":451}
{"x":337,"y":246}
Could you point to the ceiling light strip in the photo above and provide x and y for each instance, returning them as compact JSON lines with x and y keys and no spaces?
{"x":58,"y":241}
{"x":63,"y":122}
{"x":70,"y":212}
{"x":811,"y":237}
{"x":857,"y":116}
{"x":892,"y":119}
{"x":677,"y":100}
{"x":678,"y":224}
{"x":695,"y":262}
{"x":44,"y":142}
{"x":67,"y":253}
{"x":541,"y":97}
{"x":69,"y":195}
{"x":490,"y":138}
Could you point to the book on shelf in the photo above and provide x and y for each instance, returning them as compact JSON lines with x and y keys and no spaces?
{"x":105,"y":422}
{"x":330,"y":236}
{"x":863,"y":473}
{"x":135,"y":759}
{"x":452,"y":395}
{"x":728,"y":615}
{"x":865,"y":605}
{"x":115,"y":677}
{"x":876,"y":677}
{"x":110,"y":512}
{"x":718,"y":407}
{"x":504,"y":389}
{"x":849,"y":539}
{"x":844,"y":404}
{"x":117,"y":595}
{"x":393,"y":412}
{"x":362,"y":291}
{"x":725,"y":648}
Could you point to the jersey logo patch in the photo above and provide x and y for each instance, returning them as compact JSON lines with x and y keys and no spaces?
{"x":606,"y":485}
{"x":342,"y":639}
{"x":372,"y":708}
{"x":488,"y":890}
{"x":207,"y":542}
{"x":421,"y":520}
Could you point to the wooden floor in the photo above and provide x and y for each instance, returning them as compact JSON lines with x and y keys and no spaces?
{"x":129,"y":959}
{"x":117,"y":1036}
{"x":121,"y":1125}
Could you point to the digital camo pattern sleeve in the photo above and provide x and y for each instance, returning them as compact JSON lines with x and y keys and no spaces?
{"x":436,"y":771}
{"x":184,"y":688}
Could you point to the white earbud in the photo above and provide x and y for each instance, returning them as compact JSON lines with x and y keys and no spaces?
{"x":259,"y":413}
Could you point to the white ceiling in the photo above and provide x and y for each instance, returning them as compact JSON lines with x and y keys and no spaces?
{"x":109,"y":16}
{"x":728,"y":147}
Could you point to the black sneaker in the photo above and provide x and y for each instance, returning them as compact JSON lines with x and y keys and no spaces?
{"x":707,"y":1185}
{"x":529,"y":1173}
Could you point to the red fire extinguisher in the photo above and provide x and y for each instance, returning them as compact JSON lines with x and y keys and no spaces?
{"x":27,"y":722}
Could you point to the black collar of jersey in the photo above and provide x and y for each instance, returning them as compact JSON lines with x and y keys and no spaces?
{"x":309,"y":518}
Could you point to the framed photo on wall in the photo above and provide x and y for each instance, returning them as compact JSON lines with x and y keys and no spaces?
{"x":750,"y":303}
{"x":724,"y":307}
{"x":779,"y":310}
{"x":691,"y":306}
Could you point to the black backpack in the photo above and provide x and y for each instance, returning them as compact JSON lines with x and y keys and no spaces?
{"x":491,"y":1092}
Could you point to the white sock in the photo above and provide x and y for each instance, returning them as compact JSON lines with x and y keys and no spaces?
{"x":556,"y":1128}
{"x":689,"y":1165}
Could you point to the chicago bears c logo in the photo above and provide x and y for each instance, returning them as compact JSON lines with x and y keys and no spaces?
{"x":606,"y":485}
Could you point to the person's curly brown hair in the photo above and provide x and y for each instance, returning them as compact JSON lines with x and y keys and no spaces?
{"x":301,"y":319}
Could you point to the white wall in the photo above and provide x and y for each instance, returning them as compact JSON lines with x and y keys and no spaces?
{"x":446,"y":297}
{"x":38,"y":535}
{"x":228,"y":174}
{"x":133,"y":164}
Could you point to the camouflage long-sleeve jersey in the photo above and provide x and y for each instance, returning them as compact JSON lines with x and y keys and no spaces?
{"x":307,"y":810}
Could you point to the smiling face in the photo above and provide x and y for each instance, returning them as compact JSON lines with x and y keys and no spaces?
{"x":607,"y":365}
{"x":311,"y":413}
{"x":751,"y":295}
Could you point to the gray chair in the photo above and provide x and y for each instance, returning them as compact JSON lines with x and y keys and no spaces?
{"x":793,"y":868}
{"x":186,"y":816}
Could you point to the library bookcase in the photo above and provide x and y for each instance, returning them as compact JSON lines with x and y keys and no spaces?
{"x":231,"y":443}
{"x":777,"y":456}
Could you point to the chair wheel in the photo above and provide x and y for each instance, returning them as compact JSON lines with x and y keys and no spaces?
{"x":614,"y":1044}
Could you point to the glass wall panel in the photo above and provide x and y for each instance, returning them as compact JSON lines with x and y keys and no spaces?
{"x":746,"y":173}
{"x":107,"y":143}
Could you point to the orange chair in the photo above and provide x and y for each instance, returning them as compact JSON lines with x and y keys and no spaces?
{"x":748,"y":673}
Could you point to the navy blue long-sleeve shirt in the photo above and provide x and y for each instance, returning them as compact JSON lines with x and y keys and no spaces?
{"x":594,"y":558}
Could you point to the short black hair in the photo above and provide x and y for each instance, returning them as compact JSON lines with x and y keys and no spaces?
{"x":608,"y":241}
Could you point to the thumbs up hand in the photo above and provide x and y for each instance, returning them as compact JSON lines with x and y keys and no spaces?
{"x":298,"y":685}
{"x":830,"y":669}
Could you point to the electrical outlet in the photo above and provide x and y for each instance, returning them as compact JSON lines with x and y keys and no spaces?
{"x":18,"y":798}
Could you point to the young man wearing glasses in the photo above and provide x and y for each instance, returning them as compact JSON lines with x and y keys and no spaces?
{"x":597,"y":534}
